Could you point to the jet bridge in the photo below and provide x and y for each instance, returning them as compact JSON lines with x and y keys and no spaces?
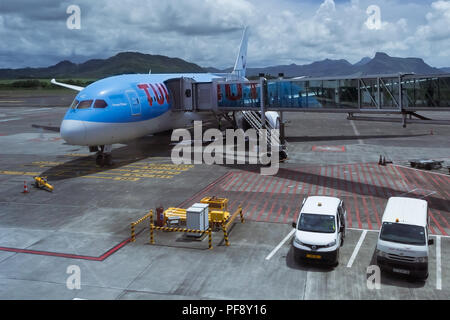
{"x":365,"y":98}
{"x":381,"y":94}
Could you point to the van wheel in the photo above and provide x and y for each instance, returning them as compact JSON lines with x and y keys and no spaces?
{"x":421,"y":278}
{"x":336,"y":263}
{"x":296,"y":256}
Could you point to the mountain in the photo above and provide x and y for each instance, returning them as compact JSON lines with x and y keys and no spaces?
{"x":380,"y":64}
{"x":134,"y":62}
{"x":315,"y":69}
{"x":363,"y":61}
{"x":383,"y":63}
{"x":215,"y":70}
{"x":124,"y":62}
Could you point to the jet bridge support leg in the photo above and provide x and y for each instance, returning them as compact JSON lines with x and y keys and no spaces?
{"x":282,"y":132}
{"x":283,"y":149}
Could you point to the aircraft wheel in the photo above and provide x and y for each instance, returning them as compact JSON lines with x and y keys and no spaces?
{"x":108,"y":160}
{"x":100,"y":160}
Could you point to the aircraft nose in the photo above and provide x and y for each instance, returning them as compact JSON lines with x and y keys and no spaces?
{"x":73,"y":132}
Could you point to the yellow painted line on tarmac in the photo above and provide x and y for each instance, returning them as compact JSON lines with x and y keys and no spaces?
{"x":11,"y":101}
{"x":111,"y":178}
{"x":86,"y":169}
{"x":77,"y":155}
{"x":20,"y":173}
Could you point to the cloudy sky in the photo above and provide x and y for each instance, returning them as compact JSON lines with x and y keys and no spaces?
{"x":208,"y":32}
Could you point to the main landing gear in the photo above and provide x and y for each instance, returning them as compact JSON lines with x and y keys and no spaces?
{"x":103,"y":157}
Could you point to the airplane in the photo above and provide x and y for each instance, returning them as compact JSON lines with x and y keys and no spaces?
{"x":126,"y":107}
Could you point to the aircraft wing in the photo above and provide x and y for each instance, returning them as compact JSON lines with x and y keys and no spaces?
{"x":70,"y":86}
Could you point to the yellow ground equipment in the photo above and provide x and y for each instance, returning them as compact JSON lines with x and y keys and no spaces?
{"x":134,"y":224}
{"x":42,"y":183}
{"x":226,"y":224}
{"x":185,"y":230}
{"x":221,"y":218}
{"x":174,"y":212}
{"x":217,"y":211}
{"x":218,"y":204}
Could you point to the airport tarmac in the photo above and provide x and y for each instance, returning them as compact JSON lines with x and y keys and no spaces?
{"x":85,"y":221}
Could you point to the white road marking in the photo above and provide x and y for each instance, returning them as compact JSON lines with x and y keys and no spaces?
{"x":10,"y":119}
{"x":29,"y":111}
{"x":355,"y":130}
{"x":404,"y":194}
{"x":438,"y":264}
{"x":355,"y":251}
{"x":429,"y":194}
{"x":280,"y":245}
{"x":33,"y":110}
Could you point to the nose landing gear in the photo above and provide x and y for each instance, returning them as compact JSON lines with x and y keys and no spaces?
{"x":103,"y":157}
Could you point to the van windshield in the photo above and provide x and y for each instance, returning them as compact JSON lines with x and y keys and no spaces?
{"x":317,"y":223}
{"x":403,"y":233}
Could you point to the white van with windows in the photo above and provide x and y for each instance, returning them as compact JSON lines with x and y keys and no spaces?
{"x":320,"y":229}
{"x":403,"y":241}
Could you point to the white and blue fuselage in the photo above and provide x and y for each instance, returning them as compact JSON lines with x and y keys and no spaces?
{"x":125,"y":107}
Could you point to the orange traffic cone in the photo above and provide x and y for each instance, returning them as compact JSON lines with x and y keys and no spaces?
{"x":25,"y":187}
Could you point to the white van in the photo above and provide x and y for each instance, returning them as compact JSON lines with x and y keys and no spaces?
{"x":320,"y":229}
{"x":403,"y":241}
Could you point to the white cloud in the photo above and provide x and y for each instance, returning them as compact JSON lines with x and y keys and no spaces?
{"x":208,"y":32}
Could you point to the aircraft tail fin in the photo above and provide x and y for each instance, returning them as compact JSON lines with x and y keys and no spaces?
{"x":240,"y":66}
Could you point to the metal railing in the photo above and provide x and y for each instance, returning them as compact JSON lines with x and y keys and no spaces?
{"x":134,"y":224}
{"x":262,"y":126}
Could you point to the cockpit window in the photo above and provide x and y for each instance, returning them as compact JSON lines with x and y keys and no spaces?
{"x":74,"y":104}
{"x":85,"y":104}
{"x":100,"y":104}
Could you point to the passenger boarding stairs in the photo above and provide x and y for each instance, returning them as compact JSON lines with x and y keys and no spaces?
{"x":255,"y":120}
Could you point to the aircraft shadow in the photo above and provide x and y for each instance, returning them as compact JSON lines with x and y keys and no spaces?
{"x":161,"y":146}
{"x":49,"y":128}
{"x":360,"y":188}
{"x":147,"y":147}
{"x":144,"y":148}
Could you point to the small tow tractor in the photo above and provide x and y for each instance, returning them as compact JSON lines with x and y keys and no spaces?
{"x":42,"y":183}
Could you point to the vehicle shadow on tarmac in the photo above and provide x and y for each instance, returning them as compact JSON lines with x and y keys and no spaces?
{"x":397,"y":280}
{"x":387,"y":278}
{"x":296,"y":264}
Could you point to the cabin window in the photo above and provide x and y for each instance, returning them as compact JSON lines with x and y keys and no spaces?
{"x":85,"y":104}
{"x":100,"y":104}
{"x":74,"y":104}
